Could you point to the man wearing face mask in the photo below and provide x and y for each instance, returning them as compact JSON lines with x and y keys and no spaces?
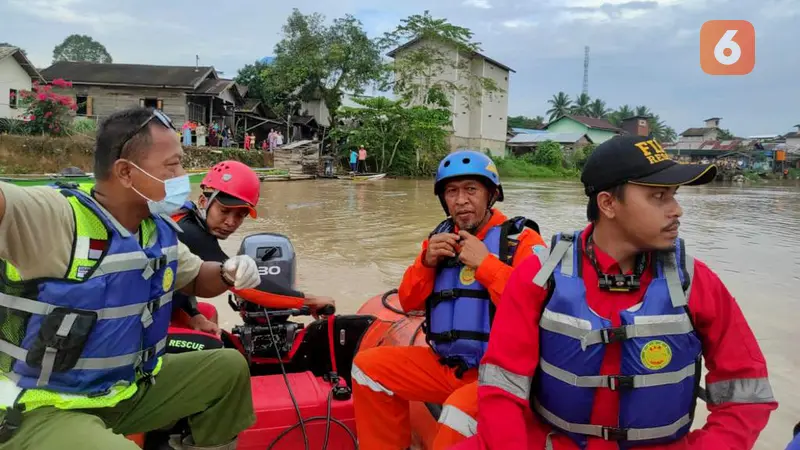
{"x":230,"y":192}
{"x":86,"y":281}
{"x":458,"y":278}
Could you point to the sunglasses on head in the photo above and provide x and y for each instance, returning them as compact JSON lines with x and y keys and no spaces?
{"x":160,"y":116}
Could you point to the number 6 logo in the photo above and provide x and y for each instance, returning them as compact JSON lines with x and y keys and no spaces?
{"x":727,"y":47}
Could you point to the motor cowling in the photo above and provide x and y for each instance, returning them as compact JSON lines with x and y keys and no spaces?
{"x":275,"y":257}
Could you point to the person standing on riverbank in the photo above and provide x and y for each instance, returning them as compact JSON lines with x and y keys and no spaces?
{"x":599,"y":345}
{"x":87,"y":305}
{"x":458,"y":278}
{"x":362,"y":159}
{"x":353,"y":161}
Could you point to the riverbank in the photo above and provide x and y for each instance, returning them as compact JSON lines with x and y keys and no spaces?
{"x":43,"y":154}
{"x":520,"y":168}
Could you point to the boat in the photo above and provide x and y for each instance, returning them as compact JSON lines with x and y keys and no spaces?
{"x":195,"y":176}
{"x":361,"y":177}
{"x":302,"y":371}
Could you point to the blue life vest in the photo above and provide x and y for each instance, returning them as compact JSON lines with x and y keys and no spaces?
{"x":102,"y":326}
{"x":661,"y":351}
{"x":459,"y":312}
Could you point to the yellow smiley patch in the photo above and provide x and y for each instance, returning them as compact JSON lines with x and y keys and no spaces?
{"x":656,"y":355}
{"x":467,"y":275}
{"x":169,"y":278}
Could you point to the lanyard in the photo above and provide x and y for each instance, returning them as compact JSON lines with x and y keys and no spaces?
{"x":617,"y":282}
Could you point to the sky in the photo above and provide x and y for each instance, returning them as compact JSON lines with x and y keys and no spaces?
{"x":642,"y":52}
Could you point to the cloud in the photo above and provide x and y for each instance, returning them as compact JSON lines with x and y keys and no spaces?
{"x":482,"y":4}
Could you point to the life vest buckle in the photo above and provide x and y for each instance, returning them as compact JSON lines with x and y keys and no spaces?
{"x":617,"y":382}
{"x":614,"y":434}
{"x":447,"y":294}
{"x":612,"y":335}
{"x":158,"y":263}
{"x":10,"y":423}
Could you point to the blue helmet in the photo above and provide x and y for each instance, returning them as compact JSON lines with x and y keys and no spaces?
{"x":465,"y":163}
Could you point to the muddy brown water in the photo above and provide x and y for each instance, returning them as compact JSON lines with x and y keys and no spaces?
{"x":354,"y":240}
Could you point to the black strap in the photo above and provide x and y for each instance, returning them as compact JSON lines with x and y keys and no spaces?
{"x":449,"y":294}
{"x":453,"y":335}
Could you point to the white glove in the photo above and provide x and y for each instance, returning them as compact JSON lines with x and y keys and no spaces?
{"x":243,"y":271}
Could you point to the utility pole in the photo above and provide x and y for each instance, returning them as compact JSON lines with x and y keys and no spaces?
{"x":586,"y":70}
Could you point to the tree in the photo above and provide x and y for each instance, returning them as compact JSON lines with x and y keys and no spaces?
{"x":725,"y":134}
{"x":526,"y":122}
{"x":80,"y":47}
{"x":275,"y":91}
{"x":315,"y":61}
{"x":560,"y":106}
{"x":395,"y":133}
{"x":548,"y":153}
{"x":582,"y":106}
{"x":6,"y":44}
{"x":598,"y":109}
{"x":415,"y":73}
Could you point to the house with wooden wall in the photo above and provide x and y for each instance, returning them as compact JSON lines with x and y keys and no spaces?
{"x":184,"y":93}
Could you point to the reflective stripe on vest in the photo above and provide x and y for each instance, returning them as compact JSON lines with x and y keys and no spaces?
{"x":115,"y":312}
{"x":661,"y":352}
{"x":461,"y":339}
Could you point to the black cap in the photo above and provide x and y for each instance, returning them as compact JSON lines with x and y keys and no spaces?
{"x":639,"y":160}
{"x":231,"y":202}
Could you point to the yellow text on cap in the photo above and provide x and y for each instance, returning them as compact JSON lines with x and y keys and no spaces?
{"x":652,"y":150}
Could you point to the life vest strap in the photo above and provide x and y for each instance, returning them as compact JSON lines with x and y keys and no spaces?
{"x":611,"y":433}
{"x":618,"y":382}
{"x":450,"y":294}
{"x":112,"y":362}
{"x":578,"y":329}
{"x":116,"y":312}
{"x":454,"y":335}
{"x":560,"y":253}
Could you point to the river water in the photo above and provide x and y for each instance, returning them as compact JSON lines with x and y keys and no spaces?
{"x":354,"y":240}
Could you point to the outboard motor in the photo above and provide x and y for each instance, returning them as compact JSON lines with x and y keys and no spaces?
{"x":276,"y":260}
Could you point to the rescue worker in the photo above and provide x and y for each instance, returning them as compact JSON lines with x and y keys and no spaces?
{"x":614,"y":323}
{"x":795,"y":443}
{"x":457,"y":278}
{"x":86,"y":305}
{"x":230,"y":192}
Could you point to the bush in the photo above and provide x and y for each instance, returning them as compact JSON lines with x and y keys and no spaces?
{"x":83,"y":126}
{"x":47,"y":112}
{"x":548,"y":154}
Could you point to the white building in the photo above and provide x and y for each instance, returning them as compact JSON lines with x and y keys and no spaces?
{"x":480,"y":123}
{"x":16,"y":75}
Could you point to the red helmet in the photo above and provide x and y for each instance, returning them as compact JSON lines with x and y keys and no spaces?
{"x":237,"y":181}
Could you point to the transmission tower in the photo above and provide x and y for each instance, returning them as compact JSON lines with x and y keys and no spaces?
{"x":586,"y":70}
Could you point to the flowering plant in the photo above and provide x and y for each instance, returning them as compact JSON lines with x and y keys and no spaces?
{"x":46,"y":111}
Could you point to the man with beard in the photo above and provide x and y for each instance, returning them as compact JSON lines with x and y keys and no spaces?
{"x":457,"y":278}
{"x":598,"y":346}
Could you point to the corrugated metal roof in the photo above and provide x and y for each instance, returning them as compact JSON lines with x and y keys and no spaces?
{"x":561,"y":138}
{"x":527,"y":130}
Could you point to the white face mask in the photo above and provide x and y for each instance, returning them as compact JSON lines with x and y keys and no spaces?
{"x":177,"y":191}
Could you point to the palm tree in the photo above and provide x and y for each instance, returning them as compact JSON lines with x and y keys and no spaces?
{"x":643,"y":111}
{"x":598,"y":109}
{"x":560,"y":106}
{"x":581,"y":106}
{"x":623,"y":112}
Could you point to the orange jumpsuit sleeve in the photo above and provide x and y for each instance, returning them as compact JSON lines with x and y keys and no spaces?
{"x":417,"y":283}
{"x":740,"y":398}
{"x":494,"y":274}
{"x":510,"y":362}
